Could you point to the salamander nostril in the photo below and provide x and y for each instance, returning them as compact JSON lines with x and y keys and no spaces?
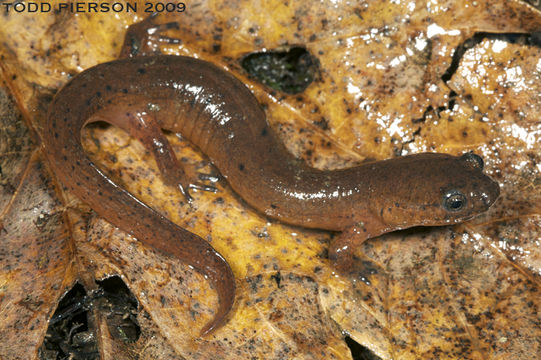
{"x":486,"y":199}
{"x":491,"y":194}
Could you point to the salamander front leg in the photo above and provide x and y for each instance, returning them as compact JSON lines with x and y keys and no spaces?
{"x":342,"y":251}
{"x":143,"y":38}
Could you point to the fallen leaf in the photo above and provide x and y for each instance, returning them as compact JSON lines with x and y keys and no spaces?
{"x":391,"y":82}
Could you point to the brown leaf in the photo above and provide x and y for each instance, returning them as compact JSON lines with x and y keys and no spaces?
{"x":35,"y":254}
{"x":388,"y":85}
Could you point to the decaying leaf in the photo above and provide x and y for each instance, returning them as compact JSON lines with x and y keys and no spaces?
{"x":393,"y":78}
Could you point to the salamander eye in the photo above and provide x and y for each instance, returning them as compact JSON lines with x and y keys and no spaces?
{"x":454,"y":201}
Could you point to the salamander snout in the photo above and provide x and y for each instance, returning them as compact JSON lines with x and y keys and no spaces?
{"x":484,"y":191}
{"x":490,"y":194}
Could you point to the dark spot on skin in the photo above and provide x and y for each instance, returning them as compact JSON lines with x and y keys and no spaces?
{"x":65,"y":119}
{"x":381,"y":212}
{"x":141,"y":71}
{"x":273,"y":206}
{"x":56,"y":135}
{"x":264,"y":132}
{"x":88,"y":102}
{"x":241,"y":167}
{"x":65,"y":158}
{"x":397,"y":204}
{"x":108,"y":87}
{"x":125,"y":91}
{"x":98,"y":94}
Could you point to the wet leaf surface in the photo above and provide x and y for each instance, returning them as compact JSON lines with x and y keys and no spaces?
{"x":388,"y":85}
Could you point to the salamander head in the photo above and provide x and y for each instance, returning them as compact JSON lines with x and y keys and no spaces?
{"x":438,"y":189}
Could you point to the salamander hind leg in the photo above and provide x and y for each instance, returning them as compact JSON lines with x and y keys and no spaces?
{"x":188,"y":178}
{"x":143,"y":38}
{"x":144,"y":127}
{"x":183,"y":176}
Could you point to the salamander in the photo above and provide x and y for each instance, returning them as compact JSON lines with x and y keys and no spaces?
{"x":218,"y":114}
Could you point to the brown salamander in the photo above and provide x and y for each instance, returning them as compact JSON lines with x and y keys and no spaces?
{"x":218,"y":114}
